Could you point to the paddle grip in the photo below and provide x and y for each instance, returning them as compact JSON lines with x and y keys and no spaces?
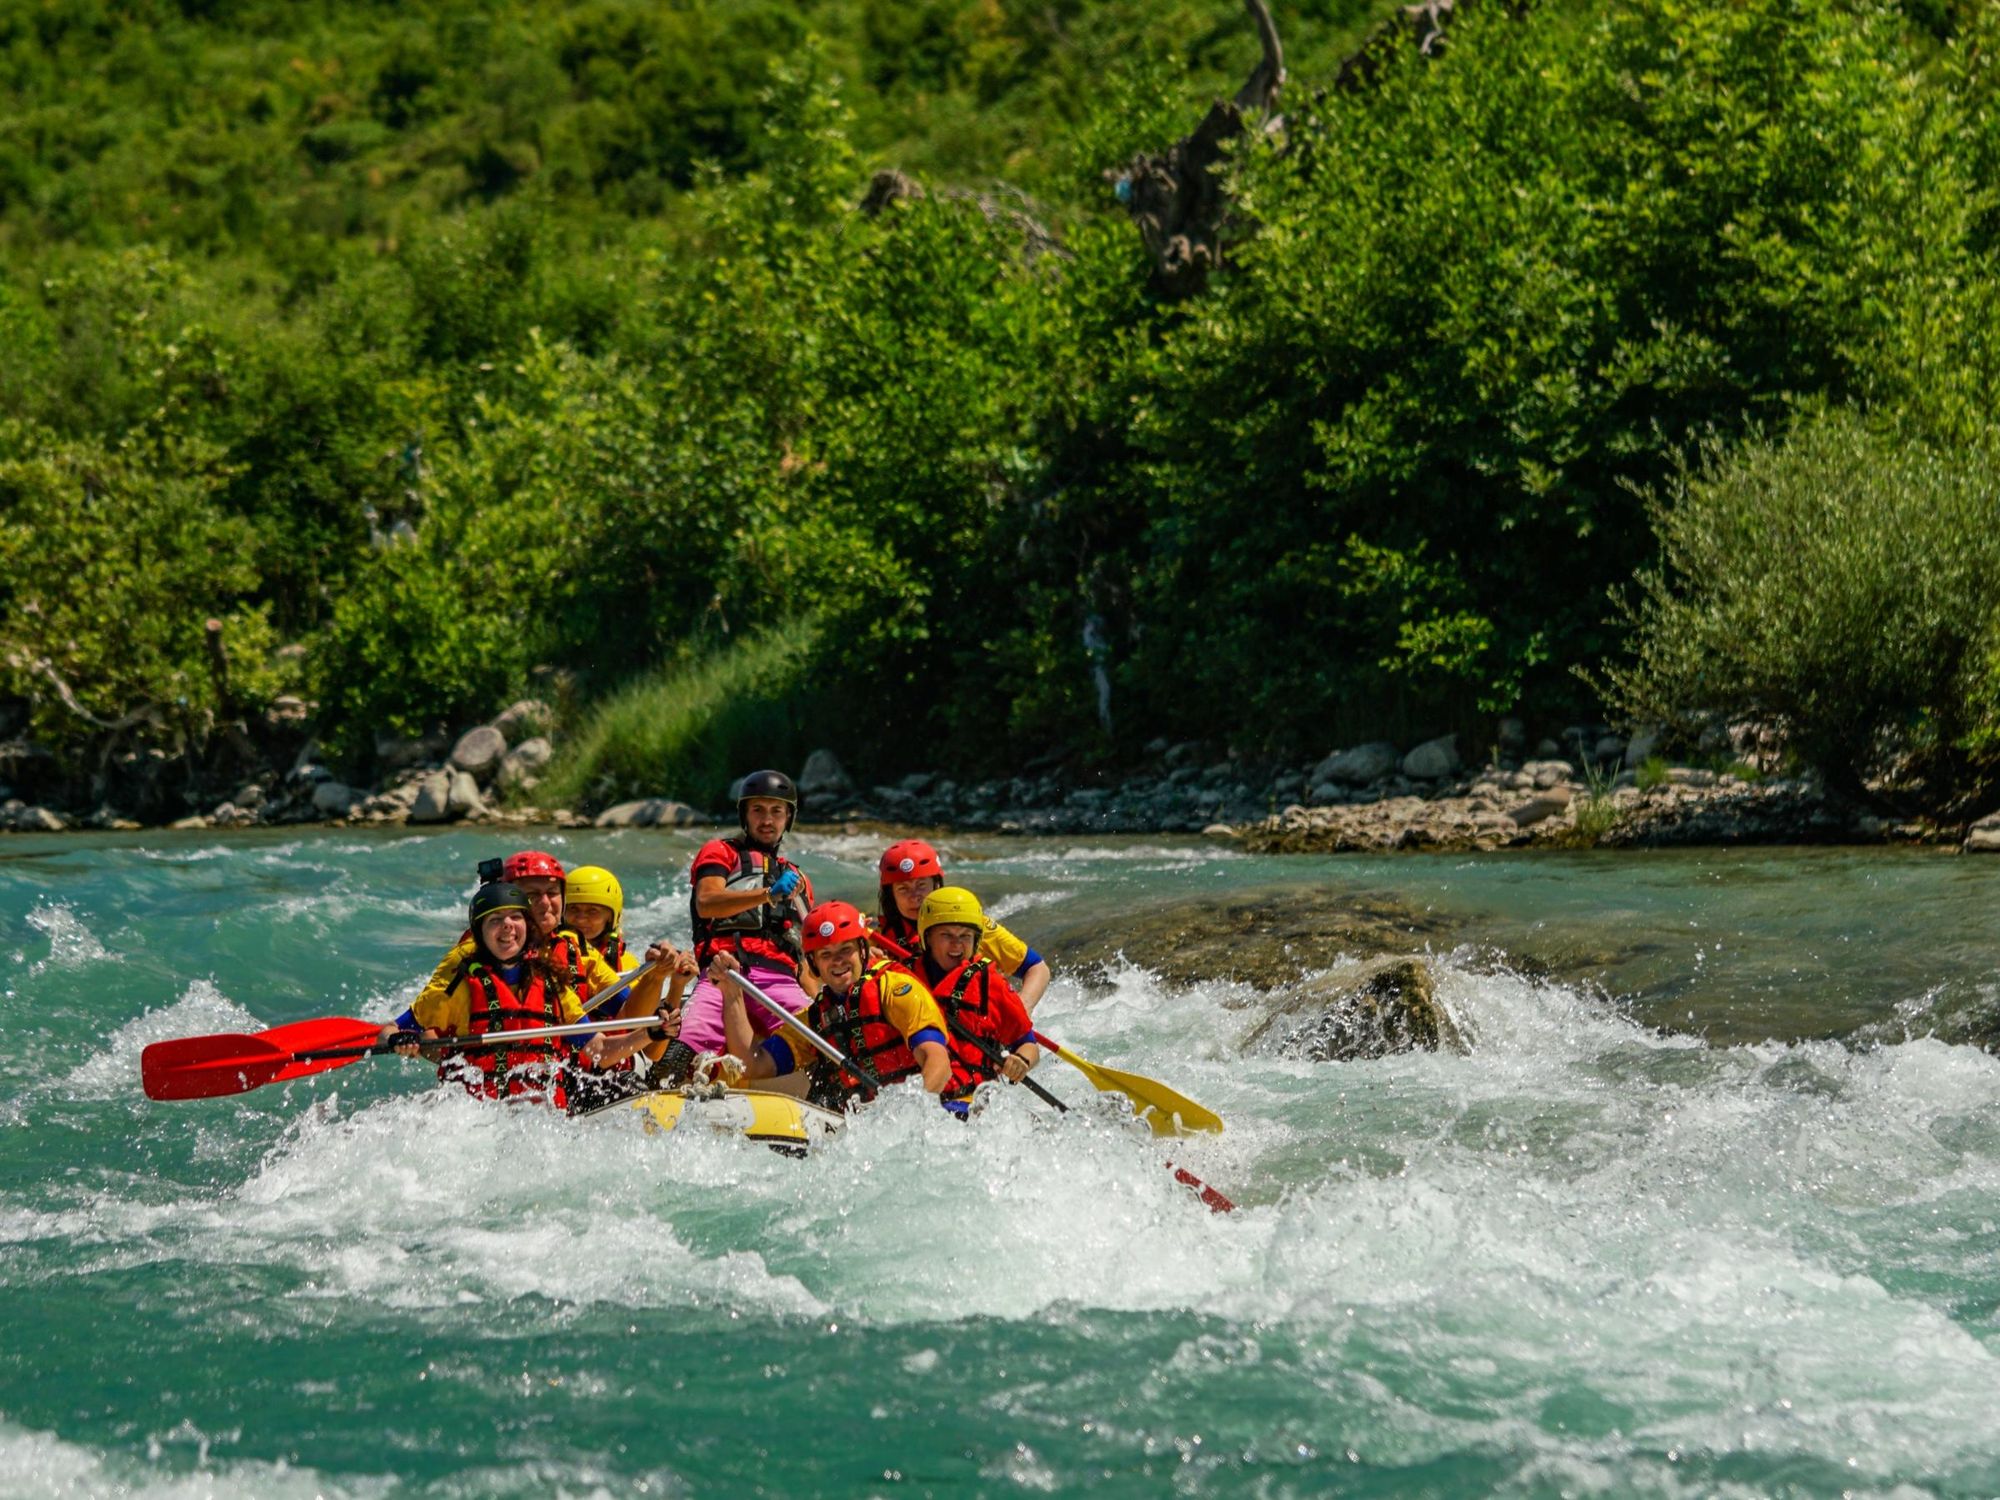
{"x":991,"y":1052}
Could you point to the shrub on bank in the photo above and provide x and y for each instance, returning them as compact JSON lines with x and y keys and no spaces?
{"x":1842,"y":581}
{"x":112,"y":560}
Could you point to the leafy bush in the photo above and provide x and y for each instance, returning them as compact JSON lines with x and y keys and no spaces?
{"x":111,"y":562}
{"x":1843,"y":582}
{"x":1390,"y":457}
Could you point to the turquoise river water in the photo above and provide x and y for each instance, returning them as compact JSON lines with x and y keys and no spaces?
{"x":1707,"y":1209}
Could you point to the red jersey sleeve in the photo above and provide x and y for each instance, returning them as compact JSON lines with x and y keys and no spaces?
{"x":716,"y":857}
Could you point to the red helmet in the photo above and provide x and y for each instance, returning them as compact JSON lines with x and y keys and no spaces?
{"x":912,"y":859}
{"x":530,"y":863}
{"x":832,"y":922}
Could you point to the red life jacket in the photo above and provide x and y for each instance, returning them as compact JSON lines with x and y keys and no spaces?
{"x":970,"y":997}
{"x":765,"y":934}
{"x":856,"y":1024}
{"x":534,"y":1067}
{"x":896,"y":936}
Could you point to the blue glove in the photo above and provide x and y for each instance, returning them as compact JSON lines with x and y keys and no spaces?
{"x":785,"y":884}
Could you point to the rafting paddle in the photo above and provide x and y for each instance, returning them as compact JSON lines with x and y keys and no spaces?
{"x":1214,"y":1200}
{"x":833,"y":1054}
{"x":210,"y":1067}
{"x":1168,"y":1111}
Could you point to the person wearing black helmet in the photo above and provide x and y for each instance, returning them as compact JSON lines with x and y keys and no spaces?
{"x":749,"y":904}
{"x":512,"y":984}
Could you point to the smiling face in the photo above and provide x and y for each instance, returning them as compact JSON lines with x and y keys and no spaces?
{"x":951,"y":944}
{"x":766,"y":818}
{"x":841,"y":965}
{"x":505,"y":934}
{"x":589,"y":919}
{"x":910,"y":894}
{"x":545,"y":901}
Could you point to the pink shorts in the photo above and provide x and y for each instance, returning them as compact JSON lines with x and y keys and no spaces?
{"x":701,"y":1017}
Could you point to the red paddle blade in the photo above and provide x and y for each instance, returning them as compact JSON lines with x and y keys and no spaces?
{"x":331,"y":1034}
{"x":1214,"y":1200}
{"x":208,"y":1067}
{"x":321,"y":1033}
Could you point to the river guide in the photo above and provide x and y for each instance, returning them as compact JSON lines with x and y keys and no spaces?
{"x":748,"y":904}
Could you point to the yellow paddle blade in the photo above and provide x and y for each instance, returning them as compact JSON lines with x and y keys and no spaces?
{"x":1167,"y":1110}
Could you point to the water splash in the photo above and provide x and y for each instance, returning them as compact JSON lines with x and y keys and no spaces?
{"x":72,"y":942}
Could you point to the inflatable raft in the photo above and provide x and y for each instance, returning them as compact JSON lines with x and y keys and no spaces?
{"x":780,"y":1121}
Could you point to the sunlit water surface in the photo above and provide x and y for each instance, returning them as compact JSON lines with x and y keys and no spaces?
{"x":1705,"y":1210}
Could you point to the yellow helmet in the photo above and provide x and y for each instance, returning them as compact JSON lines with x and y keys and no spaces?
{"x":950,"y":905}
{"x":593,"y":885}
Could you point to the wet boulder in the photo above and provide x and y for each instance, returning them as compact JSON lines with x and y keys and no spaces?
{"x":1393,"y":1008}
{"x":433,"y":800}
{"x":1433,"y":760}
{"x":648,"y":812}
{"x":522,"y":766}
{"x":823,"y":777}
{"x":1261,"y":937}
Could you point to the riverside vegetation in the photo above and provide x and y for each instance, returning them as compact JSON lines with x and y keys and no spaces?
{"x":371,"y":367}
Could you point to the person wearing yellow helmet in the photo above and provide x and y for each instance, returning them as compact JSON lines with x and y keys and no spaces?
{"x":594,"y":910}
{"x":910,"y":870}
{"x":594,"y":907}
{"x":991,"y":1035}
{"x":578,"y":965}
{"x":510,"y":983}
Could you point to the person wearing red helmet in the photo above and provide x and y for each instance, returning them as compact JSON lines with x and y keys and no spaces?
{"x":910,"y":871}
{"x":538,"y":876}
{"x":875,"y":1011}
{"x":748,"y":905}
{"x":505,"y":985}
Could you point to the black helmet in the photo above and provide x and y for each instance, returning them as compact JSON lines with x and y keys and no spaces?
{"x":773,"y":784}
{"x":498,"y":895}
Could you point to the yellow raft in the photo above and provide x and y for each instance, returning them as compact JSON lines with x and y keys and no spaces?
{"x":780,"y":1121}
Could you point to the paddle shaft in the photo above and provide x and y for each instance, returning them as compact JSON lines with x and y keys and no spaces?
{"x":869,"y":1081}
{"x":625,"y":981}
{"x":492,"y":1040}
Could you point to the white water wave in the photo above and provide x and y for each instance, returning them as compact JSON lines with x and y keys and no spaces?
{"x":42,"y":1466}
{"x":112,"y":1071}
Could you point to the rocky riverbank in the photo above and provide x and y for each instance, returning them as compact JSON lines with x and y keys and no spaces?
{"x":1586,"y":788}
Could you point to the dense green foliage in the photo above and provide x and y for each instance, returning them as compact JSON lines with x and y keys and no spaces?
{"x":454,"y":342}
{"x":1845,"y":583}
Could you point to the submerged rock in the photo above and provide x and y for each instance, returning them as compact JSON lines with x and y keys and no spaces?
{"x":1392,"y":1009}
{"x":1262,"y":937}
